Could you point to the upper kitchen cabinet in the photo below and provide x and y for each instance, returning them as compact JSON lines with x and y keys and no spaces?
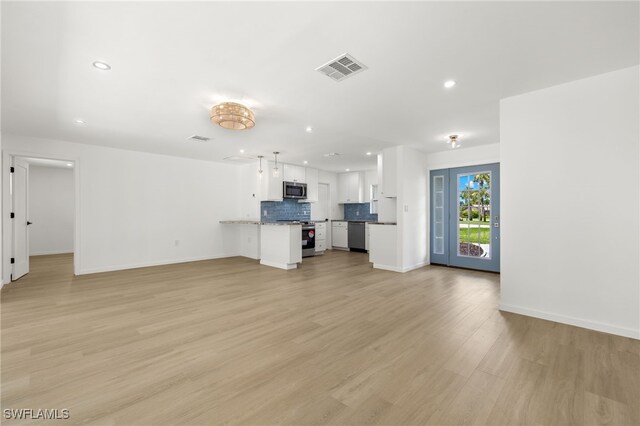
{"x":350,"y":187}
{"x":270,"y":184}
{"x":294,"y":173}
{"x":312,"y":185}
{"x":388,"y":173}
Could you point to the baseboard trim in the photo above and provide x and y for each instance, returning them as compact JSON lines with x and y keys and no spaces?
{"x":386,"y":267}
{"x":88,"y":271}
{"x":416,"y":266}
{"x":397,"y":268}
{"x":578,"y":322}
{"x":286,"y":266}
{"x":46,"y":253}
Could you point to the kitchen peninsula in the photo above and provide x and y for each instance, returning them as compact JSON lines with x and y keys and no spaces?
{"x":279,"y":242}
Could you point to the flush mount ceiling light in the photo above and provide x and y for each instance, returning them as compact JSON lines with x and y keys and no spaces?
{"x":305,"y":162}
{"x":80,"y":122}
{"x":102,"y":65}
{"x":368,"y":153}
{"x":231,"y":115}
{"x":69,"y":164}
{"x":449,"y":84}
{"x":453,"y":141}
{"x":347,"y":170}
{"x":309,"y":129}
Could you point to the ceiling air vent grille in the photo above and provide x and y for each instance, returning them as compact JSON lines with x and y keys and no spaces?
{"x":342,"y":67}
{"x":198,"y":138}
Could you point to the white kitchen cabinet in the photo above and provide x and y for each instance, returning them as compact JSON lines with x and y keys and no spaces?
{"x":350,"y":187}
{"x":388,"y":173}
{"x":294,"y":173}
{"x":367,"y":235}
{"x":312,"y":185}
{"x":321,"y":237}
{"x":340,"y":234}
{"x":270,"y":185}
{"x":383,"y":246}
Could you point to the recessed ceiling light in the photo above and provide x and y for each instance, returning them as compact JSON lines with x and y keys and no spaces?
{"x":449,"y":84}
{"x":80,"y":122}
{"x":69,"y":164}
{"x":368,"y":153}
{"x":102,"y":66}
{"x":305,"y":162}
{"x":309,"y":129}
{"x":242,"y":151}
{"x":347,"y":170}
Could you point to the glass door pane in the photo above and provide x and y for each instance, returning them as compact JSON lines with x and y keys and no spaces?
{"x":474,"y":228}
{"x":474,"y":215}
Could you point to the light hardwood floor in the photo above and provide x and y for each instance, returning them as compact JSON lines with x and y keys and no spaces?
{"x":335,"y":342}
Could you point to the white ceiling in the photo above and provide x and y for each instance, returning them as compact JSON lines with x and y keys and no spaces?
{"x":172,"y":61}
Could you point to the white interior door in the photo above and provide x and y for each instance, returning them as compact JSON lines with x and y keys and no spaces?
{"x":321,"y":207}
{"x":20,"y":204}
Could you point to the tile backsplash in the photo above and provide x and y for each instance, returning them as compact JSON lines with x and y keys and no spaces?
{"x":358,"y":211}
{"x":287,"y":209}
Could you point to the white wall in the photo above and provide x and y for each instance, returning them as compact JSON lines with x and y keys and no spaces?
{"x":51,"y":210}
{"x":413,"y":208}
{"x":573,"y":151}
{"x":460,"y":157}
{"x":134,"y":206}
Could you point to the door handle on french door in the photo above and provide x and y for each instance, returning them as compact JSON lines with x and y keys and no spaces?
{"x":29,"y":223}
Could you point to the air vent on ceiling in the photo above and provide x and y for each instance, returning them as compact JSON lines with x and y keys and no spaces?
{"x":198,"y":138}
{"x":342,"y":67}
{"x":331,"y":154}
{"x":240,"y":158}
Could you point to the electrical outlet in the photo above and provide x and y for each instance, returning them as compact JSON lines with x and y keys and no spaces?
{"x":264,"y":212}
{"x":357,"y":213}
{"x":406,"y":208}
{"x":176,"y":243}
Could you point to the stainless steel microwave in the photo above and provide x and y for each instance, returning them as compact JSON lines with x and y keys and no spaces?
{"x":294,"y":190}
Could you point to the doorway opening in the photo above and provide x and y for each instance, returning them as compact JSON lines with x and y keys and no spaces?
{"x":465,"y":217}
{"x":42,"y":204}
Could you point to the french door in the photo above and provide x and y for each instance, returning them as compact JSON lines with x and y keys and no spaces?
{"x":465,"y":217}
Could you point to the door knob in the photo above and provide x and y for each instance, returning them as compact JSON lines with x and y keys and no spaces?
{"x":28,"y":223}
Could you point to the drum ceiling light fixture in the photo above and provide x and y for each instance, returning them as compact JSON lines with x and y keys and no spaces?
{"x":234,"y":116}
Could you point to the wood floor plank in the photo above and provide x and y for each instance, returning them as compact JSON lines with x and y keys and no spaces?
{"x":229,"y":341}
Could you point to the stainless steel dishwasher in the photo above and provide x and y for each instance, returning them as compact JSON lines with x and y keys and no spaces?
{"x":356,"y":236}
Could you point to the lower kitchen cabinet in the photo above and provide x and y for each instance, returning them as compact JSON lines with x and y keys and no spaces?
{"x":367,"y":236}
{"x":321,"y":237}
{"x":340,"y":234}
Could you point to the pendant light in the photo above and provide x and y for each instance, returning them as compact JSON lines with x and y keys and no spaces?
{"x":276,"y":171}
{"x":260,"y":157}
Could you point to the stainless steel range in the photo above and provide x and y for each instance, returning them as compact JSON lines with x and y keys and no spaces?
{"x":308,"y":239}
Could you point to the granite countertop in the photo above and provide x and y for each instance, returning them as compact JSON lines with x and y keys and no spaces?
{"x":258,"y":222}
{"x":241,"y":222}
{"x":370,"y":222}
